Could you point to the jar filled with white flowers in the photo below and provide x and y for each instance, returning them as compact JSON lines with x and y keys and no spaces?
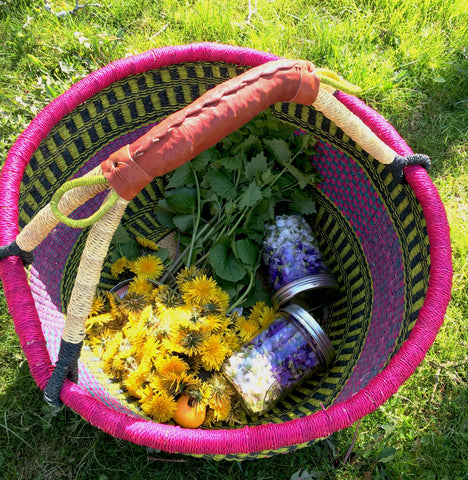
{"x":291,"y":349}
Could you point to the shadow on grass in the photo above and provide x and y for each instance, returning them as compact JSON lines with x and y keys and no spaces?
{"x":37,"y":443}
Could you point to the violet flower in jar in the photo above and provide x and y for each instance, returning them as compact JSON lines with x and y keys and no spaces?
{"x":290,"y":251}
{"x":278,"y":359}
{"x":294,"y":262}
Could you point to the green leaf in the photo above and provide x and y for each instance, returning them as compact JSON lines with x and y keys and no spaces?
{"x":182,"y":200}
{"x":130,"y":249}
{"x":224,"y":263}
{"x":247,"y":251}
{"x":201,"y":161}
{"x":232,"y":163}
{"x":121,"y":235}
{"x":280,"y":149}
{"x":251,"y":196}
{"x":386,"y":454}
{"x":181,"y":176}
{"x":268,"y":176}
{"x":302,"y":203}
{"x":184,"y":222}
{"x":249,"y":142}
{"x":221,"y":184}
{"x":164,"y":214}
{"x":256,"y":166}
{"x":303,"y":179}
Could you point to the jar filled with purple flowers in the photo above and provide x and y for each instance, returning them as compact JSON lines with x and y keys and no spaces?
{"x":292,"y":348}
{"x":294,"y":263}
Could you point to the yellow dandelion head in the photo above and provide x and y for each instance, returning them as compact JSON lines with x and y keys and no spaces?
{"x":119,"y":266}
{"x":164,"y":297}
{"x":146,"y":243}
{"x":267,"y":317}
{"x":257,"y":311}
{"x":232,"y":340}
{"x":219,"y":302}
{"x":221,"y":391}
{"x":199,"y":291}
{"x":135,"y":382}
{"x":148,"y":267}
{"x":191,"y":341}
{"x":98,"y":323}
{"x":213,"y":352}
{"x":172,"y":363}
{"x":100,"y":342}
{"x":247,"y":328}
{"x":187,"y":274}
{"x":99,"y":304}
{"x":161,"y":407}
{"x":221,"y":413}
{"x":132,"y":303}
{"x":177,"y":383}
{"x":199,"y":396}
{"x":140,"y":286}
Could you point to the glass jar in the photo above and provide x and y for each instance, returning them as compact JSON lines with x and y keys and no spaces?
{"x":290,"y":251}
{"x":291,"y":349}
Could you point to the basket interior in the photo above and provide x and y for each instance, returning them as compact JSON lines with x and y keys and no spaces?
{"x":371,"y":231}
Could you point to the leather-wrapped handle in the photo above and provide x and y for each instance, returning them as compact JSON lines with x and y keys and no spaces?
{"x":219,"y":112}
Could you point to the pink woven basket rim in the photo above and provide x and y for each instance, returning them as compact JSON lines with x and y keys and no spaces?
{"x":247,"y":439}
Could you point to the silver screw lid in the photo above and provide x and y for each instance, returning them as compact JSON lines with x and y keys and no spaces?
{"x":324,"y":281}
{"x":324,"y":347}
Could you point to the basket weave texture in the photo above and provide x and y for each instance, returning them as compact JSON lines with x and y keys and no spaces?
{"x":387,"y":243}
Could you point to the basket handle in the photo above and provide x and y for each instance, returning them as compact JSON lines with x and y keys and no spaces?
{"x":219,"y":112}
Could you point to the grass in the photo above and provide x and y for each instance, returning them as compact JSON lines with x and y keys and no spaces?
{"x":411,"y":58}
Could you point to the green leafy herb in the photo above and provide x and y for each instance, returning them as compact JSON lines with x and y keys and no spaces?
{"x":221,"y":201}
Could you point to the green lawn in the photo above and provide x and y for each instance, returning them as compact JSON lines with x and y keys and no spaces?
{"x":411,"y":59}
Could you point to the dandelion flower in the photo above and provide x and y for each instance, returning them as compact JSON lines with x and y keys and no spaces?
{"x":247,"y":328}
{"x":146,"y":243}
{"x":160,"y":407}
{"x":98,"y":305}
{"x":221,"y":413}
{"x":220,"y":300}
{"x":191,"y":341}
{"x":173,"y":364}
{"x":140,"y":286}
{"x":199,"y":396}
{"x":132,"y":303}
{"x":213,"y":352}
{"x":118,"y":267}
{"x":165,"y":297}
{"x":221,"y":391}
{"x":148,"y":267}
{"x":267,"y":316}
{"x":257,"y":311}
{"x":185,"y":275}
{"x":200,"y":290}
{"x":135,"y":382}
{"x":175,"y":383}
{"x":98,"y":322}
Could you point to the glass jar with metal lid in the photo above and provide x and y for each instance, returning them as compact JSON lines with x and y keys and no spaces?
{"x":295,"y":266}
{"x":291,"y":349}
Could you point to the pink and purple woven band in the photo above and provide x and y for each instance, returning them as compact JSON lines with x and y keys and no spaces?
{"x":247,"y":439}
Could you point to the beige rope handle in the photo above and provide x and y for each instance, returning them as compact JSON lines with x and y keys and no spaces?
{"x":45,"y":221}
{"x":353,"y":126}
{"x":89,"y":271}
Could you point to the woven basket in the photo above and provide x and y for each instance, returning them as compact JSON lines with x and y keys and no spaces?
{"x":385,"y":240}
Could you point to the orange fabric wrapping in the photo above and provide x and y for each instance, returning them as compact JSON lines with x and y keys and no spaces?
{"x":210,"y":118}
